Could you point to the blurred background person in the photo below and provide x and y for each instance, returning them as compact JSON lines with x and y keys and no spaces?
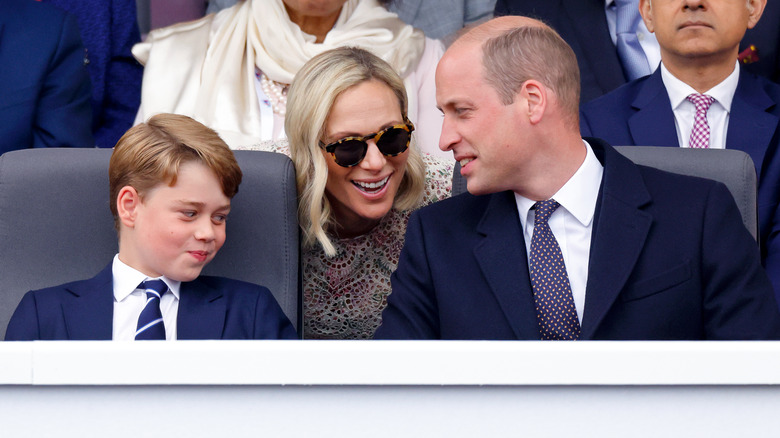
{"x":44,"y":84}
{"x":109,"y":29}
{"x":358,"y":181}
{"x":439,"y":19}
{"x":231,"y":70}
{"x":613,"y":45}
{"x":442,"y":19}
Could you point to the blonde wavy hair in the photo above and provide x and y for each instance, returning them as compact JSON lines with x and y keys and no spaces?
{"x":312,"y":94}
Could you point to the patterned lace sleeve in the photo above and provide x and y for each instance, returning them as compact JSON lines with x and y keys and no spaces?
{"x":279,"y":146}
{"x":438,"y":178}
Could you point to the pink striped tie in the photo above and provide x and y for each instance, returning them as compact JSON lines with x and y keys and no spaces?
{"x":700,"y":136}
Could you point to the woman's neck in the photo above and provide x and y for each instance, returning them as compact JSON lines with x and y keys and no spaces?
{"x":319,"y":26}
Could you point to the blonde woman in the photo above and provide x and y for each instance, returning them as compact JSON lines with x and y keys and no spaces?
{"x":359,"y":175}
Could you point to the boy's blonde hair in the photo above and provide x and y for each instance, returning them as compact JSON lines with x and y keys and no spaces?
{"x":151,"y":153}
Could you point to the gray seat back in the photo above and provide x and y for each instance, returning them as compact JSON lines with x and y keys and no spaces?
{"x":56,"y":225}
{"x":733,"y":168}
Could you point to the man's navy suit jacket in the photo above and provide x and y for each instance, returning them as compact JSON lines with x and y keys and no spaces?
{"x":670,"y":259}
{"x":583,"y":25}
{"x":209,"y":308}
{"x":640,"y":113}
{"x":44,"y":85}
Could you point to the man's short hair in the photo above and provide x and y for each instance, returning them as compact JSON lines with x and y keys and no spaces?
{"x":533,"y":52}
{"x":151,"y":153}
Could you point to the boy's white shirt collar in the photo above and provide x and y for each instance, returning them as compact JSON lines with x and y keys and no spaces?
{"x":126,"y":280}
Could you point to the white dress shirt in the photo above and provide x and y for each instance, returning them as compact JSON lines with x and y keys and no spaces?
{"x":685,"y":110}
{"x":646,"y":39}
{"x":571,"y":223}
{"x":129,"y":301}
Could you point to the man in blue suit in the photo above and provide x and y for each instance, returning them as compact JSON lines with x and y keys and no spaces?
{"x":561,"y":237}
{"x":701,"y":60}
{"x":44,"y":85}
{"x":171,"y":181}
{"x":585,"y":26}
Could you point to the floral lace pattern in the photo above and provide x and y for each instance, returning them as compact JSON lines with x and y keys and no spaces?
{"x":344,"y":295}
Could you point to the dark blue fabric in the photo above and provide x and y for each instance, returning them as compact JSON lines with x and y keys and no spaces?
{"x":44,"y":86}
{"x":669,"y":259}
{"x":209,"y":308}
{"x":109,"y":29}
{"x":639,"y":113}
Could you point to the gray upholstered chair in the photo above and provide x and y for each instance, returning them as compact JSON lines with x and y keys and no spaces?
{"x":733,"y":168}
{"x":56,"y":226}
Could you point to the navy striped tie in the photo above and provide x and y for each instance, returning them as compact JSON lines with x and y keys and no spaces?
{"x":150,"y":322}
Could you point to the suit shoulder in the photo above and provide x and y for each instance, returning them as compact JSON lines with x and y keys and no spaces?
{"x":616,"y":100}
{"x":665,"y":182}
{"x":231,"y":286}
{"x":772,"y":89}
{"x":19,"y":15}
{"x":456,"y":205}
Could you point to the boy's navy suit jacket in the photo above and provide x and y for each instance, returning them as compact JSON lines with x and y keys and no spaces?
{"x":209,"y":308}
{"x":670,"y":258}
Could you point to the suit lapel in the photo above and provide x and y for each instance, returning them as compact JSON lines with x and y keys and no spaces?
{"x":201,"y":312}
{"x":619,"y":233}
{"x":89,"y":315}
{"x":586,"y":18}
{"x":751,"y":127}
{"x":653,"y":122}
{"x":502,"y":258}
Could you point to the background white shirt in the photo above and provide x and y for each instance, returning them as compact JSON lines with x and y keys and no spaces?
{"x":571,"y":223}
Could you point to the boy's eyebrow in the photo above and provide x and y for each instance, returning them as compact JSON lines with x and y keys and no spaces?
{"x":201,"y":204}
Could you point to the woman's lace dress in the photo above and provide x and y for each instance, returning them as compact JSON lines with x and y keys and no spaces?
{"x":344,"y":295}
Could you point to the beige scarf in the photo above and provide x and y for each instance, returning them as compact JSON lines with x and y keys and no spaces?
{"x":207,"y":70}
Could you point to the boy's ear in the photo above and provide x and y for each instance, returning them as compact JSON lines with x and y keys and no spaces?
{"x":127,"y":202}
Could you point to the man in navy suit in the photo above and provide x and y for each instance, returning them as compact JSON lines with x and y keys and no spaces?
{"x":44,"y":85}
{"x":699,"y":59}
{"x":624,"y":253}
{"x":585,"y":27}
{"x":171,"y":181}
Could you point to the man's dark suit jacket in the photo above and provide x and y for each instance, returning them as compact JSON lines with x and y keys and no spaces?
{"x":669,"y":259}
{"x":209,"y":308}
{"x":583,"y":25}
{"x":640,"y":113}
{"x":44,"y":85}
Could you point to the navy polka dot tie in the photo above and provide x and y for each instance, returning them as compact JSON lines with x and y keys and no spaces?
{"x":150,"y":322}
{"x":555,"y":309}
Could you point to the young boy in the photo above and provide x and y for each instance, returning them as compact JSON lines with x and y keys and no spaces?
{"x":171,"y":181}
